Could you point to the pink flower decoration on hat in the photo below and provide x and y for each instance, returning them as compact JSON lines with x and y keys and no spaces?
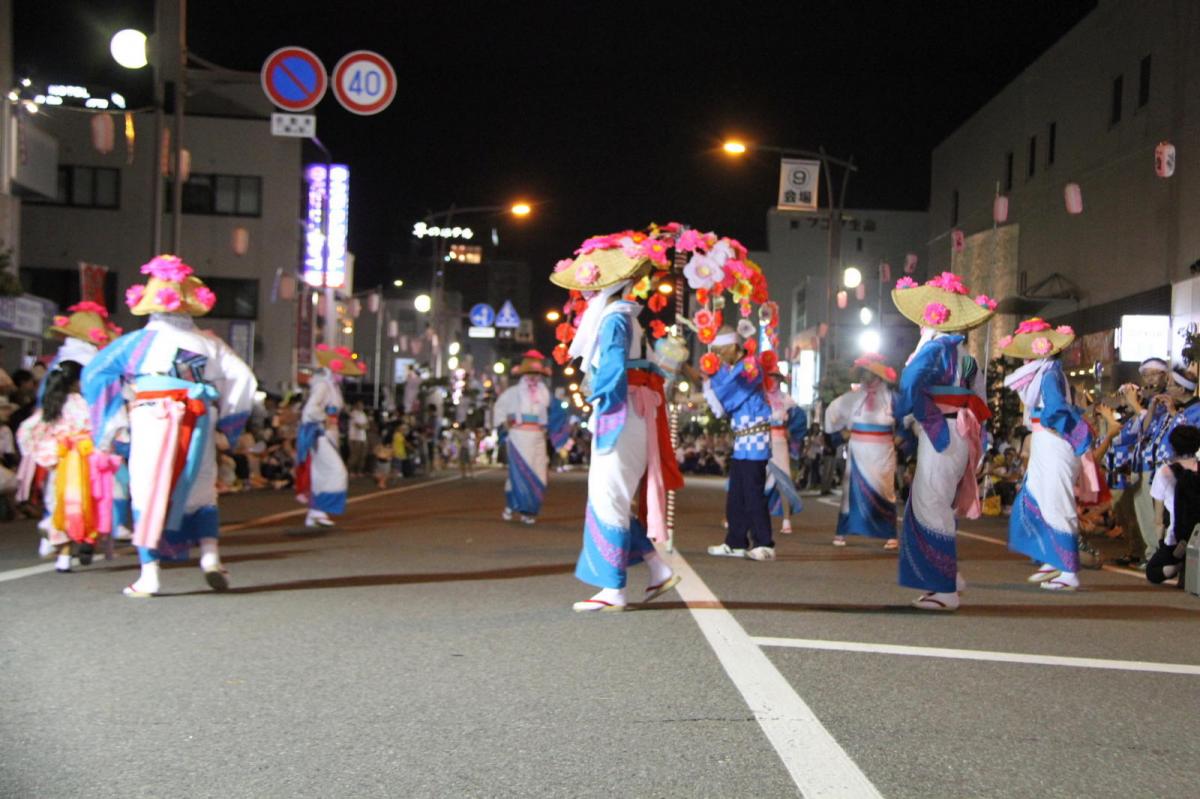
{"x":565,"y":263}
{"x":205,"y":296}
{"x":1065,"y":330}
{"x":61,"y":321}
{"x":170,"y":268}
{"x":948,"y":281}
{"x":587,"y":273}
{"x":689,"y":240}
{"x":1041,"y":346}
{"x":984,"y":301}
{"x":906,"y":283}
{"x":344,"y":352}
{"x":168,"y":298}
{"x":134,"y":294}
{"x":337,"y":364}
{"x":1004,"y":342}
{"x":322,"y":348}
{"x":935,"y":314}
{"x":87,"y":306}
{"x":703,"y":318}
{"x":703,"y":272}
{"x":97,"y":335}
{"x":1034,"y":325}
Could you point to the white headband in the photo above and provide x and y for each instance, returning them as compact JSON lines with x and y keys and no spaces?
{"x":725,"y":339}
{"x":1182,"y":380}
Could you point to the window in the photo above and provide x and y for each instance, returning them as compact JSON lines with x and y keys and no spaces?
{"x":1118,"y":86}
{"x":1032,"y":168}
{"x":1008,"y":171}
{"x":61,"y":286}
{"x":1144,"y":82}
{"x":1050,"y":142}
{"x":236,"y":298}
{"x":221,"y":195}
{"x":954,"y":208}
{"x":86,"y":187}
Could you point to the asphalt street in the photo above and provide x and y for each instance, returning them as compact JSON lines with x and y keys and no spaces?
{"x":425,"y":648}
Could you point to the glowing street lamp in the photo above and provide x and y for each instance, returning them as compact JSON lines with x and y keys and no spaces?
{"x":397,"y":282}
{"x":553,"y":316}
{"x":422,"y":303}
{"x":869,"y":341}
{"x":521,"y":209}
{"x":734,"y":147}
{"x":128,"y":48}
{"x":498,"y":368}
{"x":455,"y":348}
{"x":866,"y":315}
{"x":852,"y":277}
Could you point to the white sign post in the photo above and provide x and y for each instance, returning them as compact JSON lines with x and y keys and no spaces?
{"x":799,"y":181}
{"x":301,"y":126}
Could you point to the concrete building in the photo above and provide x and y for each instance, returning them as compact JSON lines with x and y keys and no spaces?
{"x":1089,"y":112}
{"x":796,"y":263}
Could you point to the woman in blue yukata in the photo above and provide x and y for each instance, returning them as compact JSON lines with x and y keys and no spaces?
{"x":1044,"y":524}
{"x":941,"y":395}
{"x":632,"y":455}
{"x":321,"y":477}
{"x":169,"y":385}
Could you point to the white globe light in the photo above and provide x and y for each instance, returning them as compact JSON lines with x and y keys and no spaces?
{"x":498,"y":368}
{"x":869,"y":341}
{"x":453,"y":362}
{"x":866,"y":315}
{"x":128,"y":48}
{"x":455,"y":348}
{"x":422,"y":303}
{"x":851,"y":277}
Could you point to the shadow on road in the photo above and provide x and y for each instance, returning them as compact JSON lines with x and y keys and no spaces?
{"x":1065,"y":610}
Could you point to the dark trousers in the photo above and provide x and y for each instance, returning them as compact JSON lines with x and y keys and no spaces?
{"x":746,"y":505}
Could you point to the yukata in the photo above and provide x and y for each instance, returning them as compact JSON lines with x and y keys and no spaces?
{"x":525,"y":409}
{"x":1044,"y":524}
{"x":64,"y":449}
{"x":731,"y":392}
{"x":166,"y":387}
{"x":869,"y":484}
{"x":321,"y":477}
{"x":788,"y":424}
{"x":943,"y":389}
{"x":1142,"y":450}
{"x":632,"y":456}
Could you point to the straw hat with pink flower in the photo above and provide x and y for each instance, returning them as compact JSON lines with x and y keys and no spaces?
{"x":943,"y":303}
{"x":172,"y":288}
{"x":874,"y":363}
{"x":87,"y":321}
{"x":602,"y":261}
{"x":532,"y":363}
{"x":340,"y":361}
{"x":1036,"y":338}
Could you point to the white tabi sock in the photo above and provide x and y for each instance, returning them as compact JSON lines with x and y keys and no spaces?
{"x":210,"y":558}
{"x":613,"y":596}
{"x":659,"y":570}
{"x":148,"y":581}
{"x":63,"y":563}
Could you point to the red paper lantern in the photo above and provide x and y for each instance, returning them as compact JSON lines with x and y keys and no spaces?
{"x":287,"y":287}
{"x":1073,"y":197}
{"x":239,"y":240}
{"x":1000,"y":209}
{"x":959,"y":239}
{"x":373,"y":302}
{"x":860,"y":293}
{"x":885,"y":272}
{"x":103,"y":133}
{"x":393,"y":330}
{"x":1164,"y":159}
{"x":910,"y":263}
{"x":842,"y":299}
{"x":185,"y":165}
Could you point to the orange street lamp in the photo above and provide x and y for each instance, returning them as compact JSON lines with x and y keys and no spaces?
{"x":734,"y":147}
{"x":521,"y":209}
{"x":553,"y":316}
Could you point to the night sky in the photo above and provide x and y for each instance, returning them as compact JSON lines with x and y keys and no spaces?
{"x":604,"y":116}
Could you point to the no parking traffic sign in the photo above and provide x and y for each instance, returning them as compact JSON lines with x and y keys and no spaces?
{"x":364,"y":82}
{"x":294,"y":78}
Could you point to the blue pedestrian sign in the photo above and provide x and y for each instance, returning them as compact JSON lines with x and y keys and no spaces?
{"x":482,"y":315}
{"x":508,"y":316}
{"x":294,"y":78}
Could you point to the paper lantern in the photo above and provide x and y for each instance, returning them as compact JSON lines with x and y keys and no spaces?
{"x":860,"y":293}
{"x":164,"y":154}
{"x":355,"y":308}
{"x":1164,"y":159}
{"x":104,"y":133}
{"x":393,"y":329}
{"x":287,"y":287}
{"x":1000,"y":209}
{"x":373,"y":302}
{"x":239,"y":240}
{"x":1073,"y":197}
{"x":842,"y":299}
{"x":885,"y":272}
{"x":959,"y":240}
{"x":910,"y":263}
{"x":185,"y":165}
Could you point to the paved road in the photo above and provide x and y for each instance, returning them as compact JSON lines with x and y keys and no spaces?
{"x":425,"y":648}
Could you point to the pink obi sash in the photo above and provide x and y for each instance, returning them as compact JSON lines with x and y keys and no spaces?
{"x":662,"y":468}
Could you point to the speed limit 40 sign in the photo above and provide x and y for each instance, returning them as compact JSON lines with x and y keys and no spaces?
{"x":364,"y":82}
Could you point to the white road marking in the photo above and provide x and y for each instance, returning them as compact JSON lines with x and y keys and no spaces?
{"x":816,"y":762}
{"x":979,"y":654}
{"x":1105,"y":567}
{"x":42,"y":568}
{"x":836,"y":503}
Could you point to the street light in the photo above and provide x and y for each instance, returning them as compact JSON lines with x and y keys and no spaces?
{"x":397,"y":283}
{"x":734,"y":147}
{"x":869,"y":340}
{"x":422,"y":303}
{"x":128,"y":48}
{"x":866,"y":315}
{"x":520,"y":209}
{"x":553,"y":316}
{"x":852,"y":277}
{"x":498,"y":368}
{"x":454,"y":348}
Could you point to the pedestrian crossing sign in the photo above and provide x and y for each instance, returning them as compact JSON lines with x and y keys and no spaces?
{"x":508,"y":316}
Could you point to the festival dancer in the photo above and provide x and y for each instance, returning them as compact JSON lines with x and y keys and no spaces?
{"x":321,"y":478}
{"x":632,"y":455}
{"x":942,"y":388}
{"x":57,"y":437}
{"x":869,"y":485}
{"x":735,"y":390}
{"x":789,"y":424}
{"x":524,"y":409}
{"x":1044,"y":524}
{"x":183,"y":383}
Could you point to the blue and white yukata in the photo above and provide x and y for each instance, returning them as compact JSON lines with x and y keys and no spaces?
{"x":169,"y":384}
{"x":789,"y":423}
{"x":731,"y":392}
{"x":943,"y":390}
{"x":318,"y":457}
{"x":1044,"y":524}
{"x":525,"y":410}
{"x":869,"y":485}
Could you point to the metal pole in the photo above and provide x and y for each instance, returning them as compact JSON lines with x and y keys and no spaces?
{"x":828,"y":340}
{"x":156,"y":176}
{"x":378,"y":344}
{"x":180,"y":94}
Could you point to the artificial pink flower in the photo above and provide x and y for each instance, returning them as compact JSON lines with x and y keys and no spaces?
{"x":170,"y":268}
{"x":168,"y":298}
{"x":948,"y":281}
{"x":984,"y":301}
{"x":703,"y":318}
{"x":1004,"y":342}
{"x":563,"y":264}
{"x":134,"y":294}
{"x":689,"y":240}
{"x":97,"y":335}
{"x":936,"y":314}
{"x":654,"y":250}
{"x":1034,"y":325}
{"x":344,"y":352}
{"x":322,"y":348}
{"x":1041,"y":346}
{"x":61,"y":321}
{"x":337,"y":364}
{"x":205,"y":296}
{"x":710,"y":364}
{"x":702,"y":272}
{"x":745,"y":308}
{"x":87,"y":306}
{"x":1065,"y":330}
{"x":587,"y":273}
{"x":906,"y":282}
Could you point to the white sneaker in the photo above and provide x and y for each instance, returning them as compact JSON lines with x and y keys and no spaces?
{"x":839,"y":540}
{"x":726,"y":551}
{"x":761,"y":553}
{"x":507,"y":515}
